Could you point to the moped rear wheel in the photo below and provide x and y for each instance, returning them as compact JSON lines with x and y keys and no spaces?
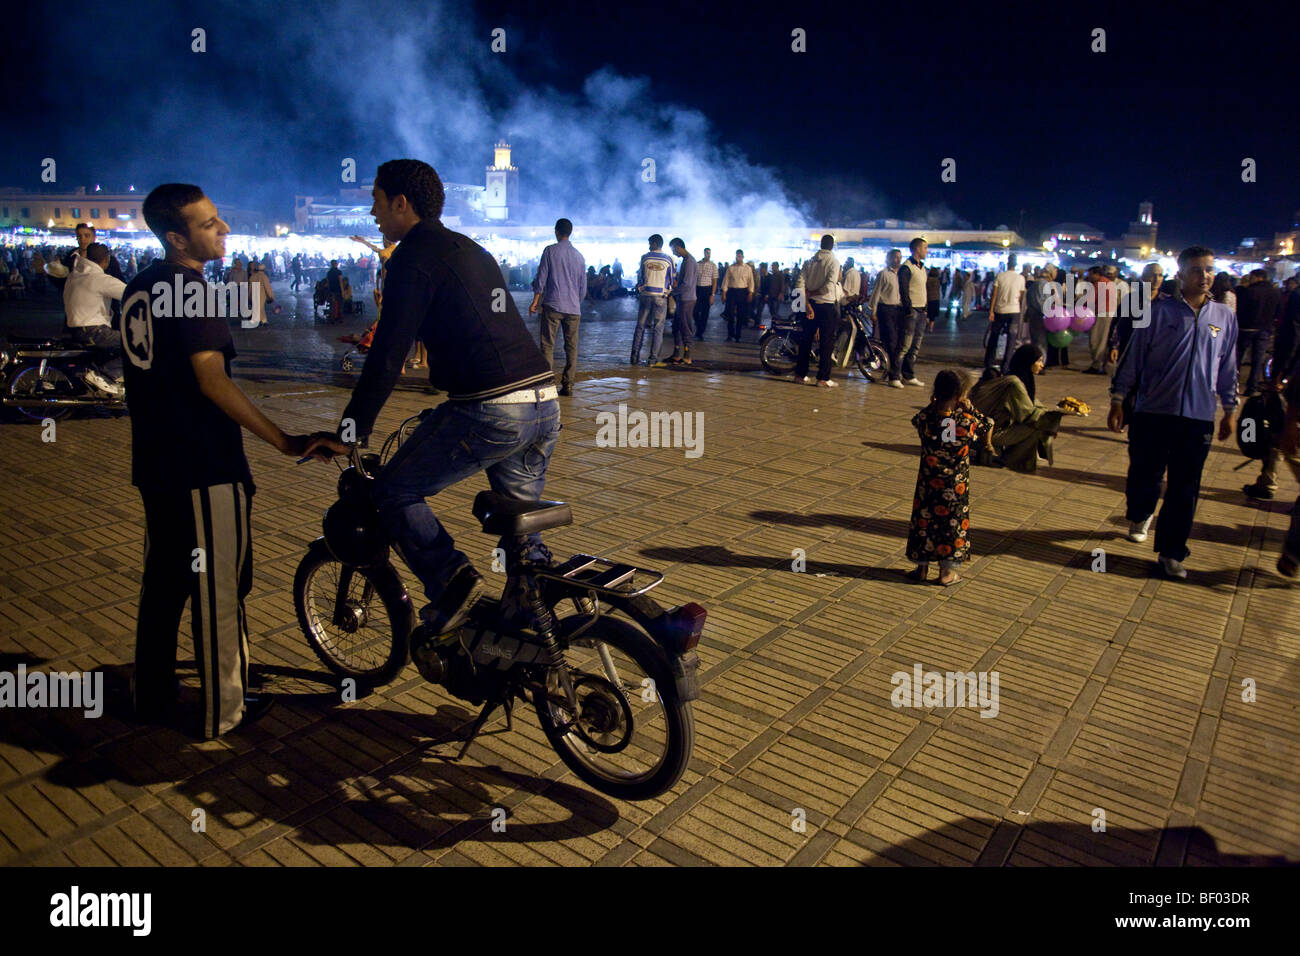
{"x":632,"y":737}
{"x":778,"y":351}
{"x":31,"y":382}
{"x":357,"y":620}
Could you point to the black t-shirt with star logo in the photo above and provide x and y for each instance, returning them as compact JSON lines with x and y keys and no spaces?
{"x":179,"y":438}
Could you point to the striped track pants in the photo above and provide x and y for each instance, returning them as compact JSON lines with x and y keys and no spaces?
{"x":197,"y":548}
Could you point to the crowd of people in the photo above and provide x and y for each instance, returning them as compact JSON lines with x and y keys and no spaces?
{"x":1171,"y":372}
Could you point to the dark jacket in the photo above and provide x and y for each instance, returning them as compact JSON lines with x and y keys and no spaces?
{"x":447,"y":289}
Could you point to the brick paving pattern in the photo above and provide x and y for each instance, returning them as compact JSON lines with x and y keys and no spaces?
{"x":1119,"y":692}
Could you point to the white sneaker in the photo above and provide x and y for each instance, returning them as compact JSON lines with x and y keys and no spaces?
{"x":807,"y":379}
{"x":1172,"y":568}
{"x":104,"y":383}
{"x":914,"y":381}
{"x":827,"y":384}
{"x":895,"y":383}
{"x":1137,"y":531}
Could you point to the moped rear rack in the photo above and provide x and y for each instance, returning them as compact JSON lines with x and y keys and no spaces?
{"x":603,"y":576}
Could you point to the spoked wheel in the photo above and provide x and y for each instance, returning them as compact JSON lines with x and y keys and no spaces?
{"x":631,"y":737}
{"x":871,"y":360}
{"x":357,"y":620}
{"x":31,"y":382}
{"x":778,"y":351}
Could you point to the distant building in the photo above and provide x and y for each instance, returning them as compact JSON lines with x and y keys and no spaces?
{"x":107,"y":212}
{"x":466,"y":205}
{"x":502,"y":185}
{"x":1140,"y":240}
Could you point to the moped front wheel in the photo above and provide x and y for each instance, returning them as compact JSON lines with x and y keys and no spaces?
{"x":357,"y":620}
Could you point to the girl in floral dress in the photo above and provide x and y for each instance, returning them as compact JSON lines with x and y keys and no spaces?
{"x":940,"y":527}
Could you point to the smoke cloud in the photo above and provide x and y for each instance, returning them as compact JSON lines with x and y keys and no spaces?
{"x":283,"y":95}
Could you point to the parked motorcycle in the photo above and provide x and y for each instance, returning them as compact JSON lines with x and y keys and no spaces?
{"x":778,"y":349}
{"x":49,"y":377}
{"x":612,"y":694}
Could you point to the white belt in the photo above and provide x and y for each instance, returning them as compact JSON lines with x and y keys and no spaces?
{"x":525,"y":395}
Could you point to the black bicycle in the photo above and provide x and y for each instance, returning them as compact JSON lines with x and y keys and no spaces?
{"x":611,"y":682}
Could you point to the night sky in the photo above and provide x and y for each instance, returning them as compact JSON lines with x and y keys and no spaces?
{"x":1042,"y":129}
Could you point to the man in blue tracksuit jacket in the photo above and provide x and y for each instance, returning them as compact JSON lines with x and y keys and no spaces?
{"x":1177,"y":362}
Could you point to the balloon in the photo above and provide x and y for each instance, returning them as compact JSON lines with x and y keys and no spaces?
{"x":1056,"y":320}
{"x":1060,"y":339}
{"x":1083,"y":319}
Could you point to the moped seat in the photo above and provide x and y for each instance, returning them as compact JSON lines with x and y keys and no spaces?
{"x":509,"y":517}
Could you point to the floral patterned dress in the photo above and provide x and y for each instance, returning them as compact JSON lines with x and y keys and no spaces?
{"x":941,"y":507}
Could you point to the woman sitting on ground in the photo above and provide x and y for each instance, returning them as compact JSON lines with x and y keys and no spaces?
{"x":1023,"y":429}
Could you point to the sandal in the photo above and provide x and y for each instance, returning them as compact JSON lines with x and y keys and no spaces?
{"x":918,"y":574}
{"x":951,"y":581}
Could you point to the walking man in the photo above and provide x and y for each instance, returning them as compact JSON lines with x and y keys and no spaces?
{"x":820,"y":281}
{"x":1257,"y":308}
{"x":654,"y":281}
{"x":886,"y":310}
{"x":706,"y":284}
{"x":737,"y":290}
{"x":558,"y":288}
{"x":187,"y":459}
{"x":1004,"y":313}
{"x":1178,"y":362}
{"x":685,"y":292}
{"x":911,"y":293}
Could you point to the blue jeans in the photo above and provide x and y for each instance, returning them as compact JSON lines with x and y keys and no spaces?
{"x":512,"y":443}
{"x":910,"y":346}
{"x":655,"y":309}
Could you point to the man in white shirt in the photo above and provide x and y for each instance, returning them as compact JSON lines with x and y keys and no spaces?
{"x":1004,"y":312}
{"x":706,"y":284}
{"x":820,"y":282}
{"x":737,"y":290}
{"x":851,"y":283}
{"x":88,"y":298}
{"x":886,"y":310}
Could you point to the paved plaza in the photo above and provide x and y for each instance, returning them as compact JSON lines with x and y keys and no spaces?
{"x":1167,"y":711}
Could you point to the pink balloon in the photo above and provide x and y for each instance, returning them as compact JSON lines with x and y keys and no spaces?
{"x":1084,"y":318}
{"x":1056,"y":320}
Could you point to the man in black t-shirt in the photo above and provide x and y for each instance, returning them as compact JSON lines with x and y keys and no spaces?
{"x":187,"y":459}
{"x":501,"y":415}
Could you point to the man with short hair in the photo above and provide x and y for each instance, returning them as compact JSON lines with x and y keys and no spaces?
{"x":187,"y":459}
{"x":654,"y":281}
{"x":706,"y":285}
{"x":885,"y":307}
{"x":912,"y":295}
{"x":1004,"y":312}
{"x":737,"y":290}
{"x":775,"y":292}
{"x":684,"y":293}
{"x":558,"y":290}
{"x":1178,"y":362}
{"x":501,"y":415}
{"x":820,"y":281}
{"x":1257,"y":307}
{"x":851,"y":283}
{"x":88,"y":298}
{"x":1106,"y":308}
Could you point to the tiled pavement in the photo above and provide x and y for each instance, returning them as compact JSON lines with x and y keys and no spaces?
{"x":1119,"y":692}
